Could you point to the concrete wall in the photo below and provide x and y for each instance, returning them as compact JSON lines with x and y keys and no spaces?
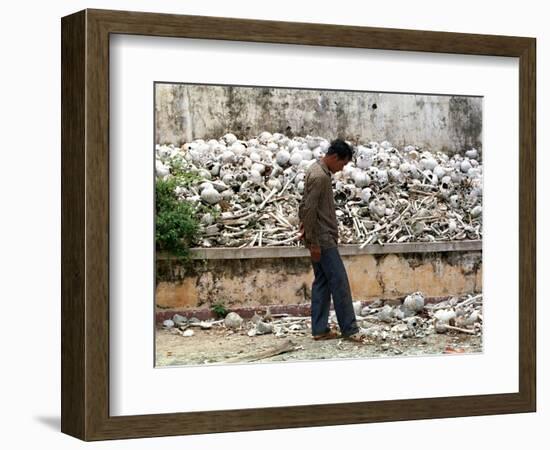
{"x":280,"y":280}
{"x":447,"y":123}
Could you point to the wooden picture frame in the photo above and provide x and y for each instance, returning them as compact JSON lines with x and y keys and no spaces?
{"x":85,"y":224}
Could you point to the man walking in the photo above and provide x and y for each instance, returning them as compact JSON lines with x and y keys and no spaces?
{"x":319,"y":229}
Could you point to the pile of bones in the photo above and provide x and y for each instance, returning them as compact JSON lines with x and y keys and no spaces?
{"x":253,"y":188}
{"x":382,"y":321}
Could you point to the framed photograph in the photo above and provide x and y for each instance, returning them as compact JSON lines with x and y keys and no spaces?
{"x":273,"y":224}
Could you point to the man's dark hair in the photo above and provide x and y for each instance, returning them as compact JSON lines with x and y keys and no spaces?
{"x":341,"y":148}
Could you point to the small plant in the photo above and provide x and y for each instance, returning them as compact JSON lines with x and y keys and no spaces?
{"x":220,"y":309}
{"x":178,"y":165}
{"x":203,"y":209}
{"x":187,"y":178}
{"x":182,"y":175}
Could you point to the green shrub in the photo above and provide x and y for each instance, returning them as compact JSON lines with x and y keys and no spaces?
{"x":177,"y":227}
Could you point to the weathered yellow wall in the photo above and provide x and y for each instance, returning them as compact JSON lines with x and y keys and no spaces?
{"x":286,"y":281}
{"x":434,"y":122}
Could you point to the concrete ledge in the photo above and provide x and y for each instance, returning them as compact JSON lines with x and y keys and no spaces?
{"x":345,"y":250}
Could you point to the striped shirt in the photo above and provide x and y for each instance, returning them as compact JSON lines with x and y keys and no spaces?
{"x":317,"y":211}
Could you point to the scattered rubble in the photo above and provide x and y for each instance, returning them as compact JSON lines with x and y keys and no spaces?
{"x":385,"y":323}
{"x":253,"y":188}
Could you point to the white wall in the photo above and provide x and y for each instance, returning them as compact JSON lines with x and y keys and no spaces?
{"x":30,"y":238}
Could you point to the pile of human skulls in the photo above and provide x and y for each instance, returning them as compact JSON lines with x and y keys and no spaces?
{"x":253,"y":187}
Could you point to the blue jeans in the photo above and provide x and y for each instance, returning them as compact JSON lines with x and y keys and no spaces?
{"x":331,"y":278}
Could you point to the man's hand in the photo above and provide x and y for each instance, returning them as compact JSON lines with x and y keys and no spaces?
{"x":301,"y":234}
{"x":315,"y":252}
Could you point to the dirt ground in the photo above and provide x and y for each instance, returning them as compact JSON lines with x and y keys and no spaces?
{"x":219,"y":346}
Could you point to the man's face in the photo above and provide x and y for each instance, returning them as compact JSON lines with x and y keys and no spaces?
{"x":338,"y":164}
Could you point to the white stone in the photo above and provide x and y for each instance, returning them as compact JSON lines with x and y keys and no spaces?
{"x":230,"y":138}
{"x":282,"y":157}
{"x":211,"y":196}
{"x":264,"y":328}
{"x":399,"y":328}
{"x":414,"y":302}
{"x":179,"y":320}
{"x":386,"y":314}
{"x":296,"y":158}
{"x":233,"y":321}
{"x":465,"y":166}
{"x":445,"y":315}
{"x":476,"y":211}
{"x":168,"y":323}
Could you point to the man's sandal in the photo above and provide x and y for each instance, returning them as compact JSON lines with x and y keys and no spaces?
{"x":328,"y":335}
{"x":358,"y":337}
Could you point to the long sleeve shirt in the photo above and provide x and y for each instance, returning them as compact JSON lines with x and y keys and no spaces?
{"x":317,"y":211}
